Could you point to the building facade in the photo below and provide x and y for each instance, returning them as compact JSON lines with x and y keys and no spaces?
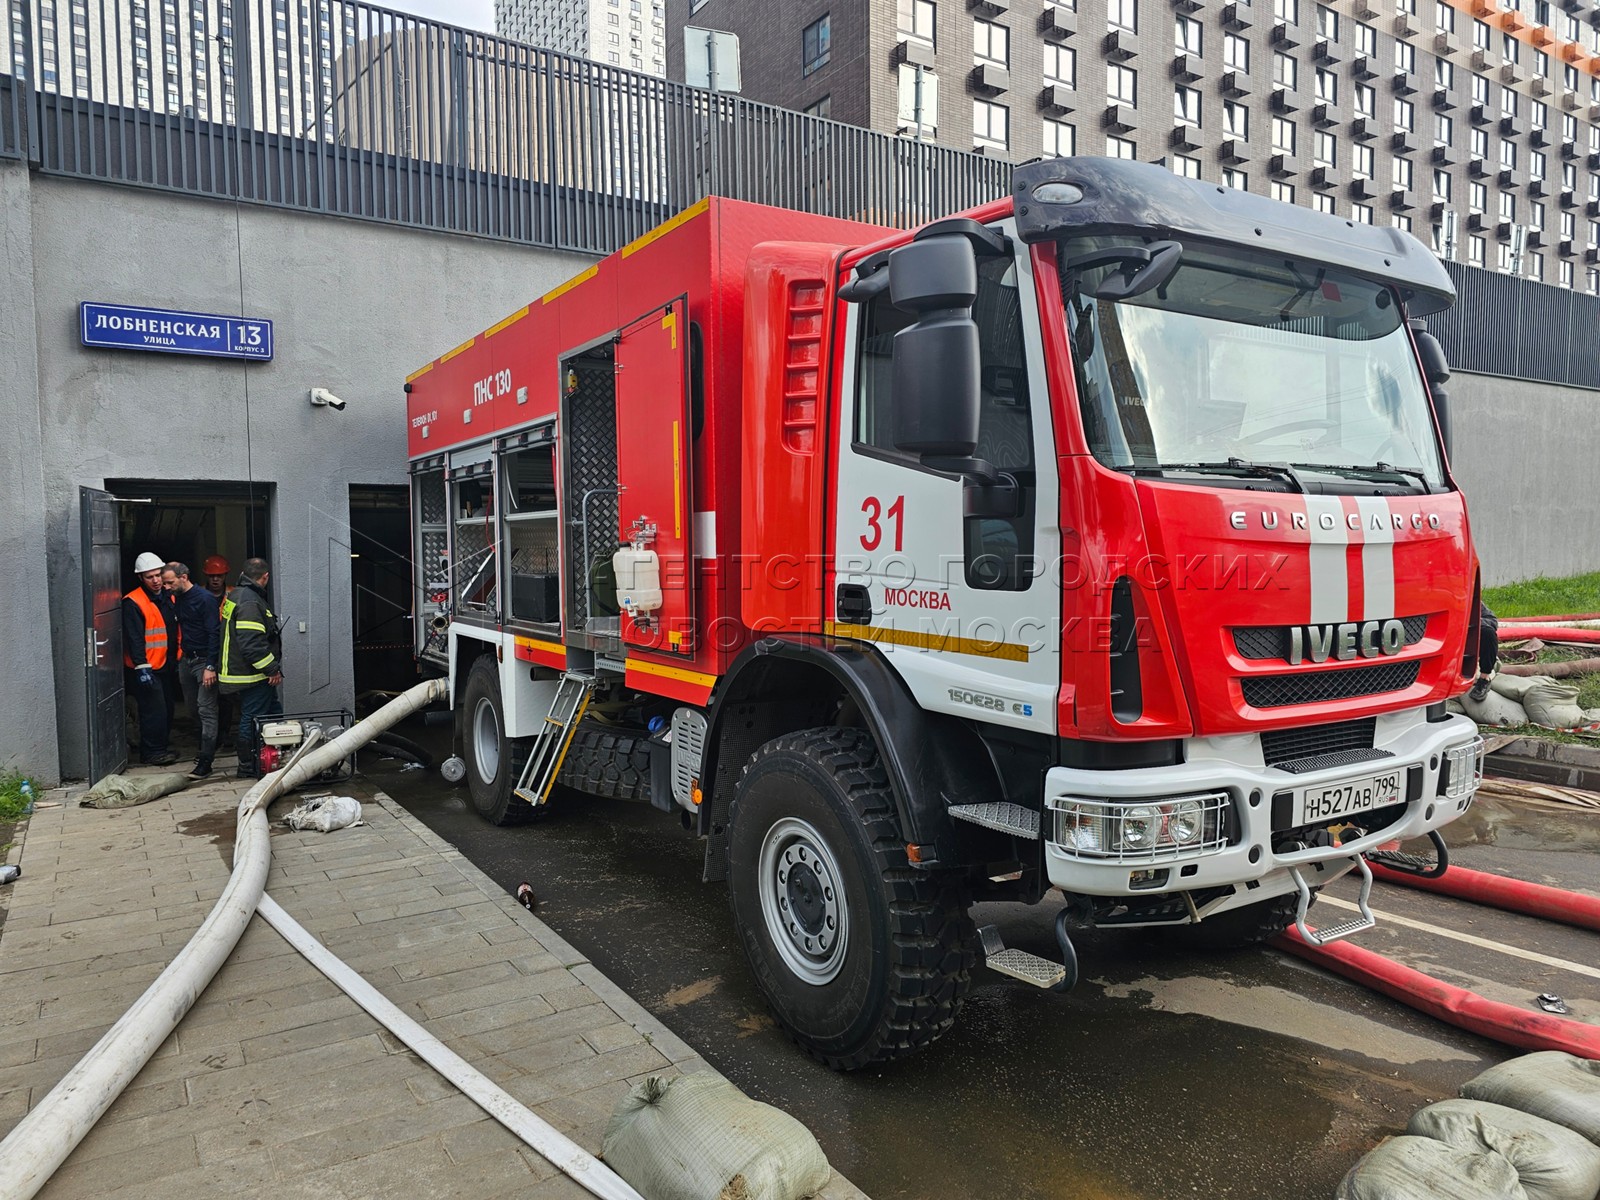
{"x":1474,"y":124}
{"x":624,"y":33}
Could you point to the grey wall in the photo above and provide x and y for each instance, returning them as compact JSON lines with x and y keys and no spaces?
{"x":1526,"y":455}
{"x":356,"y":306}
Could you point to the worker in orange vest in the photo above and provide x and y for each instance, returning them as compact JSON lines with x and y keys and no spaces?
{"x":151,"y":646}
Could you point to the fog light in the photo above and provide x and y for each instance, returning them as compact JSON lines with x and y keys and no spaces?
{"x":1079,"y":830}
{"x":1187,"y":822}
{"x":1463,"y":769}
{"x":1141,"y":827}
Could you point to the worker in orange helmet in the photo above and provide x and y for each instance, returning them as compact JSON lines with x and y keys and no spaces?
{"x":215,"y":569}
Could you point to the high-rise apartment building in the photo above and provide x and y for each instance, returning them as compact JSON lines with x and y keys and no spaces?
{"x":1474,"y":124}
{"x":624,"y":33}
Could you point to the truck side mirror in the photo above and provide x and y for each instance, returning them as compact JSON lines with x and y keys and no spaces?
{"x":936,"y":358}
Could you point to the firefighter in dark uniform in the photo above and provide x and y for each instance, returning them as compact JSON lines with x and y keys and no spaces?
{"x":252,"y":657}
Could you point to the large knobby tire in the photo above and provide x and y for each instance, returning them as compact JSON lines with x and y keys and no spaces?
{"x":493,"y":760}
{"x":1239,"y":928}
{"x":602,"y":761}
{"x":862,"y":957}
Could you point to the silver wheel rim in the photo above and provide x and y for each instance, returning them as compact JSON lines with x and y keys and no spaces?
{"x":802,"y":901}
{"x":486,"y":740}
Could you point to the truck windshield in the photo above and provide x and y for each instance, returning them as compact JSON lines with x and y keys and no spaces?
{"x":1249,"y":365}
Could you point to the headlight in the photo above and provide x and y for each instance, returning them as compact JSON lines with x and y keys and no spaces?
{"x":1143,"y":830}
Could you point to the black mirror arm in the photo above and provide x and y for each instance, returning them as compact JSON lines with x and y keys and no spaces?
{"x":986,"y":491}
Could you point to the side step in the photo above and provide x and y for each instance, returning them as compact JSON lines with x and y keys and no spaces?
{"x":1030,"y":968}
{"x":1415,"y":865}
{"x":550,"y":747}
{"x":1332,"y":933}
{"x":1007,"y":818}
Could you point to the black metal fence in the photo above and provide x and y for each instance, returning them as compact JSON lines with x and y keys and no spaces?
{"x":341,"y":107}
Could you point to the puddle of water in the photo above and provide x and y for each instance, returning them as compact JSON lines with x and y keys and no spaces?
{"x":220,"y":827}
{"x":1518,"y":826}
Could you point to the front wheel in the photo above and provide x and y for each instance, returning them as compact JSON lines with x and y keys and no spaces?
{"x":493,"y":760}
{"x":862,"y":957}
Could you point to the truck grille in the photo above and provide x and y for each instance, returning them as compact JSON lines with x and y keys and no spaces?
{"x":1311,"y":687}
{"x":1280,"y":746}
{"x":1272,"y":641}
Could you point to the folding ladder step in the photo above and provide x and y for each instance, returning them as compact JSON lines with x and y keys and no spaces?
{"x":1019,"y":964}
{"x":1332,"y":933}
{"x":1007,"y":818}
{"x":550,"y":746}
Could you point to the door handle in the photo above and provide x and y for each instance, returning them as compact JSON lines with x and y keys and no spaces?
{"x":853,"y":604}
{"x":93,"y":646}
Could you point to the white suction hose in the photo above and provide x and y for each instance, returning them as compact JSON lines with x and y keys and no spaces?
{"x":43,"y":1139}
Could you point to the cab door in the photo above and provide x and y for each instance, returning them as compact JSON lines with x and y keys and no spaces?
{"x":653,"y":469}
{"x":965,"y":608}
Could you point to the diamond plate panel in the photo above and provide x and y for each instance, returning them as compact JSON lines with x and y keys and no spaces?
{"x":591,"y":470}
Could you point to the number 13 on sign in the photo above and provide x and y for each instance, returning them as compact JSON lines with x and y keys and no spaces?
{"x":872,"y":508}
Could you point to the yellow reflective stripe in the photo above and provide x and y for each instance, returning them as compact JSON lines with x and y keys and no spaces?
{"x":261,"y":663}
{"x":256,"y":625}
{"x":240,"y":678}
{"x":227,"y":609}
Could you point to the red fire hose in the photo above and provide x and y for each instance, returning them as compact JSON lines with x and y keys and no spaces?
{"x":1549,"y":633}
{"x":1550,"y":619}
{"x":1513,"y":895}
{"x":1457,"y":1006}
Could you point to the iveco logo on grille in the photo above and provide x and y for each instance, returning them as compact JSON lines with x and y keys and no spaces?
{"x":1351,"y":639}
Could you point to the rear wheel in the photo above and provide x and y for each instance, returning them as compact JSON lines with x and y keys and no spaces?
{"x":862,"y":957}
{"x":614,"y":763}
{"x":493,"y":760}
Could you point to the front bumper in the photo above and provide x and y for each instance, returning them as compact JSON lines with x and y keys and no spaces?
{"x":1232,"y":770}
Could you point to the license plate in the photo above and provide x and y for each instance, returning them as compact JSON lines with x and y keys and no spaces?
{"x":1343,"y":799}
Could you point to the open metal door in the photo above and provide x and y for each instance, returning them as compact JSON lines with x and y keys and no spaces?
{"x":102,"y":618}
{"x":654,"y":448}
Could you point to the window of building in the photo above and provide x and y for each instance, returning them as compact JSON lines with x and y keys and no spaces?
{"x":1122,"y":84}
{"x":1361,"y":160}
{"x":1508,"y":206}
{"x":1282,"y":191}
{"x":1121,"y":148}
{"x":1236,"y":120}
{"x":1327,"y":23}
{"x":1366,"y":40}
{"x":917,"y":19}
{"x":1441,"y":185}
{"x":822,"y":107}
{"x":1235,"y":179}
{"x":1061,"y":65}
{"x":1508,"y":102}
{"x":1402,"y":222}
{"x":1480,"y":90}
{"x":1569,"y":127}
{"x":1187,"y":35}
{"x":1186,"y":105}
{"x":1444,"y":18}
{"x":1366,"y":100}
{"x":1569,"y":177}
{"x":1481,"y":34}
{"x":1188,"y":168}
{"x":1541,"y":64}
{"x":1508,"y":155}
{"x":1569,"y":78}
{"x":1402,"y":174}
{"x":1405,"y":115}
{"x":1405,"y":58}
{"x":1569,"y":226}
{"x":991,"y":44}
{"x":1480,"y":144}
{"x":1475,"y":247}
{"x":1566,"y":274}
{"x":1444,"y":130}
{"x":1444,"y":73}
{"x":1324,"y":149}
{"x":1361,"y":213}
{"x":1477,"y":197}
{"x":1322,"y":202}
{"x":908,"y":115}
{"x":1123,"y":14}
{"x":1282,"y":135}
{"x":1510,"y":47}
{"x":815,"y":42}
{"x":1536,"y":164}
{"x":1327,"y":86}
{"x":1235,"y":52}
{"x":1536,"y":266}
{"x":991,"y":124}
{"x":1287,"y":11}
{"x":1283,"y":70}
{"x":1060,"y":139}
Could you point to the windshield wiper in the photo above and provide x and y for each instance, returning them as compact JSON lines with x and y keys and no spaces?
{"x":1241,"y":467}
{"x":1376,"y":471}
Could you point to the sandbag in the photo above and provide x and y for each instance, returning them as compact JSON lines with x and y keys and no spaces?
{"x":324,"y":814}
{"x":1513,"y":687}
{"x":125,"y":791}
{"x":1551,"y":1084}
{"x":1552,"y":1162}
{"x":1551,"y":703}
{"x":698,"y":1137}
{"x":1420,"y":1168}
{"x":1494,"y":709}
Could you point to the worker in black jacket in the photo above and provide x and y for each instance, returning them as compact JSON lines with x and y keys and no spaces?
{"x":201,"y":634}
{"x":252,"y":657}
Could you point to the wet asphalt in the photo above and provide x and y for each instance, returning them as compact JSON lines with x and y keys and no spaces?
{"x":1164,"y":1074}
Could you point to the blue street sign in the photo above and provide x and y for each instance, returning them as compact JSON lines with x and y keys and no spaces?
{"x":123,"y":327}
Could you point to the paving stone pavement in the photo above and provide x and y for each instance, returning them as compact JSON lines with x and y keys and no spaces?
{"x":276,"y":1084}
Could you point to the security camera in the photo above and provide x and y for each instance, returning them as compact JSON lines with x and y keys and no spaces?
{"x":323,"y":398}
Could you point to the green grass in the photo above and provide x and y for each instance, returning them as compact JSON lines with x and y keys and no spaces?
{"x":13,"y":804}
{"x":1546,"y":597}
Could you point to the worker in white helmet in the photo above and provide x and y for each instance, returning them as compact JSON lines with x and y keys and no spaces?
{"x":151,"y":647}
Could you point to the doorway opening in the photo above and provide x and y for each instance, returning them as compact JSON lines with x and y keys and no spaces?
{"x":380,"y":588}
{"x":191,"y":520}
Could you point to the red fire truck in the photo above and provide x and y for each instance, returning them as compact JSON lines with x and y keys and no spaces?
{"x":1098,"y":544}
